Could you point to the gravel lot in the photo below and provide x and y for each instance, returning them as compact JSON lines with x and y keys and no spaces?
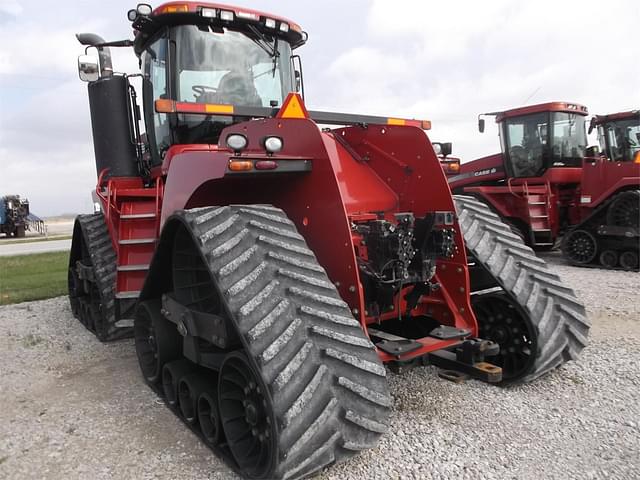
{"x":74,"y":408}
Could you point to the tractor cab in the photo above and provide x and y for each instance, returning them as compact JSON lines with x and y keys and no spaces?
{"x":619,"y":135}
{"x":539,"y":137}
{"x":207,"y":58}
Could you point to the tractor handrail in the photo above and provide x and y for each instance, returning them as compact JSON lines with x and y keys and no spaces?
{"x":322,"y":117}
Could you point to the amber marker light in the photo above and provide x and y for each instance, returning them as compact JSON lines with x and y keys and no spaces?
{"x":240,"y":165}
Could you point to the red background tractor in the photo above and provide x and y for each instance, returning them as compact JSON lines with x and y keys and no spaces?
{"x":546,"y":184}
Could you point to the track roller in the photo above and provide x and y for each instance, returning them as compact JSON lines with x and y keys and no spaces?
{"x":190,"y":387}
{"x":171,"y":375}
{"x":537,"y":321}
{"x":209,"y":418}
{"x":629,"y":260}
{"x":609,"y":258}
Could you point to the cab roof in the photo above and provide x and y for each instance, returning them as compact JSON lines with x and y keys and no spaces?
{"x":612,"y":117}
{"x":205,"y":13}
{"x":541,"y":108}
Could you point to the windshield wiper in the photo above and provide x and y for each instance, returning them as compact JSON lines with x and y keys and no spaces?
{"x":261,"y":40}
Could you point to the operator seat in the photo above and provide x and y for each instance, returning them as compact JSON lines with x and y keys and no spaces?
{"x":237,"y":88}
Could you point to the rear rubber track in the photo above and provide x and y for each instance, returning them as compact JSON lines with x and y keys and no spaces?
{"x":96,"y":239}
{"x":557,"y":316}
{"x":327,"y":385}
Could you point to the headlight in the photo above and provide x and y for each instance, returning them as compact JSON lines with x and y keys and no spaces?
{"x":273,"y":144}
{"x":437,"y":148}
{"x":237,"y":142}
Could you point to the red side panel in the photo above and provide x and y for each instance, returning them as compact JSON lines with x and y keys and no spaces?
{"x":602,"y":178}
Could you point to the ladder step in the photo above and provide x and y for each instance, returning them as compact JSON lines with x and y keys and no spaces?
{"x":543,"y":244}
{"x":537,"y":203}
{"x":132,"y":268}
{"x":130,"y":294}
{"x":539,"y":216}
{"x":136,"y":192}
{"x":541,"y":230}
{"x":131,"y":216}
{"x":137,"y":241}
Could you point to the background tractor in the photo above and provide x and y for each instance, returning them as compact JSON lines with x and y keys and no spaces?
{"x":547,"y":184}
{"x":267,"y":268}
{"x":15,"y":218}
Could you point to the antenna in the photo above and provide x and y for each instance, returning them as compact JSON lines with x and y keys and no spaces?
{"x":533,"y":94}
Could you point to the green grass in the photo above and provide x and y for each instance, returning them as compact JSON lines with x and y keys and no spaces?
{"x":33,"y":277}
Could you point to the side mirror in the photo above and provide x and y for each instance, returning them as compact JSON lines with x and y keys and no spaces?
{"x":481,"y":125}
{"x":88,"y":68}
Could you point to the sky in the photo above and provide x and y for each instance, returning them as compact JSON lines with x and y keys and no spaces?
{"x":442,"y":61}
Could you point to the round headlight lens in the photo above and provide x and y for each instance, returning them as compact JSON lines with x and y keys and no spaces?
{"x":273,"y":144}
{"x":237,"y":142}
{"x":437,"y":148}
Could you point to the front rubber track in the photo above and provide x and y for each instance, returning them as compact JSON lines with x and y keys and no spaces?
{"x":94,"y":236}
{"x":552,"y":308}
{"x":327,"y":385}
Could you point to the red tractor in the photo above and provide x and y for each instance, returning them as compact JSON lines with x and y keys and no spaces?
{"x":546,"y":184}
{"x":268,"y":269}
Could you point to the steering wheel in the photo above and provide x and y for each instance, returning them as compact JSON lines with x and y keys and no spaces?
{"x":202,"y":89}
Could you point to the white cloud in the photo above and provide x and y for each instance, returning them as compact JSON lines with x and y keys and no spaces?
{"x":449,"y":61}
{"x":10,"y":7}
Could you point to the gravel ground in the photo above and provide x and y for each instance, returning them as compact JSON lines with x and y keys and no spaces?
{"x":75,"y":408}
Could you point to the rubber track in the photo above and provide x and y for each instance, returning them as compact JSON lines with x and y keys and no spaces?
{"x":328,"y":387}
{"x":557,"y":315}
{"x":591,"y":225}
{"x":103,"y":258}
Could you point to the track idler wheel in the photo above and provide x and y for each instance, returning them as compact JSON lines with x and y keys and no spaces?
{"x":156,"y":340}
{"x":609,"y":258}
{"x":172,"y":372}
{"x":246,"y":416}
{"x":629,"y":260}
{"x":501,"y":320}
{"x":580,"y":247}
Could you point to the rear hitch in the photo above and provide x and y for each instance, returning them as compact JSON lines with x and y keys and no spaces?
{"x":468,"y":357}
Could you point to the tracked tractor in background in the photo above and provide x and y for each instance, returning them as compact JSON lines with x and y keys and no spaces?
{"x":268,"y":269}
{"x":546,"y":184}
{"x":607,"y":230}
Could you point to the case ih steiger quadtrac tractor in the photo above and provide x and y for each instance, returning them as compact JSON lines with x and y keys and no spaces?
{"x":269,"y":268}
{"x":546,"y":185}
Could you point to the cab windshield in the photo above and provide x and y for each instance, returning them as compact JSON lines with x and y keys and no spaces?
{"x":620,"y":140}
{"x":228,"y":67}
{"x":224,"y":66}
{"x":569,"y":139}
{"x":543,"y":140}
